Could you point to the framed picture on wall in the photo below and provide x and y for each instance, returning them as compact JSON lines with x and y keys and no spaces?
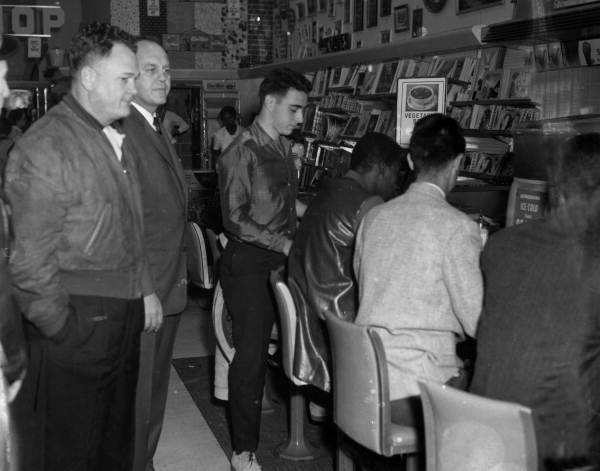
{"x":417,"y":22}
{"x":386,"y":8}
{"x":466,"y":6}
{"x":401,"y":18}
{"x":358,"y":22}
{"x":372,"y":11}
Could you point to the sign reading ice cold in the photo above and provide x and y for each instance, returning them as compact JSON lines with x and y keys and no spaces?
{"x":30,"y":20}
{"x":417,"y":97}
{"x":529,"y":205}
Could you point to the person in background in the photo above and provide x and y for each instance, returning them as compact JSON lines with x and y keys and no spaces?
{"x":259,"y":185}
{"x":19,"y":120}
{"x":174,"y":124}
{"x":13,"y":358}
{"x":164,"y":200}
{"x":229,"y":130}
{"x":538,"y":340}
{"x":78,"y":265}
{"x":320,"y":274}
{"x":417,"y":262}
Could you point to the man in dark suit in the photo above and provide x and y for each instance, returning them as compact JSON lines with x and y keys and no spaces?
{"x":164,"y":202}
{"x":538,"y":339}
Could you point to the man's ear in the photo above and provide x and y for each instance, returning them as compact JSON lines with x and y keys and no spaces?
{"x":269,"y":102}
{"x":87,"y":77}
{"x":411,"y":164}
{"x":457,"y":160}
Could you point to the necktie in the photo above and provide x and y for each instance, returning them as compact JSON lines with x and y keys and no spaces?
{"x":157,"y":125}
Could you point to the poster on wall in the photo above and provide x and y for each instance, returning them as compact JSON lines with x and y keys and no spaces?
{"x":417,"y":97}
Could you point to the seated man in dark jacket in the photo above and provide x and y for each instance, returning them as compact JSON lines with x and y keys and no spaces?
{"x":321,"y":277}
{"x":539,"y":332}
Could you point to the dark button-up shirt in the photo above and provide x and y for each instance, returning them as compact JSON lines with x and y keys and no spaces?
{"x":259,"y":185}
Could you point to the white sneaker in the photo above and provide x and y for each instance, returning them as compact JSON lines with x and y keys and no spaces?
{"x":318,"y":413}
{"x":244,"y":461}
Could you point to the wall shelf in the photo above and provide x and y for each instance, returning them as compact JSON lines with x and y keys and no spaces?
{"x":452,"y":41}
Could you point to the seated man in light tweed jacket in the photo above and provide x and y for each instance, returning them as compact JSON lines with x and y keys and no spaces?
{"x":417,"y":262}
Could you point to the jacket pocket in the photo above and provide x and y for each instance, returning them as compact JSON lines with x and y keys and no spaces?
{"x":97,"y":228}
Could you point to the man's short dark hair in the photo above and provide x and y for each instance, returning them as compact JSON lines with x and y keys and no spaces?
{"x":376,"y":148}
{"x":576,"y":171}
{"x":96,"y":39}
{"x":227,"y":111}
{"x":436,"y":140}
{"x":279,"y":81}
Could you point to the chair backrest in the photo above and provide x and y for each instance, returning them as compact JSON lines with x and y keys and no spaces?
{"x":222,"y":324}
{"x":197,"y":260}
{"x":287,"y":319}
{"x":469,"y":432}
{"x":214,"y":244}
{"x":361,"y":390}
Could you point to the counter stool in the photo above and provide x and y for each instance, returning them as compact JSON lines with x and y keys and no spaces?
{"x":296,"y":448}
{"x":361,"y":399}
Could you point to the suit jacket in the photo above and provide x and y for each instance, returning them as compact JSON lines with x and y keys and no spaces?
{"x":320,"y":274}
{"x":417,"y":260}
{"x":164,"y":201}
{"x":539,"y":335}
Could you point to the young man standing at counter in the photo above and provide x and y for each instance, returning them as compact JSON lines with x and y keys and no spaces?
{"x":417,"y":260}
{"x":78,"y":264}
{"x":164,"y":201}
{"x":258,"y":184}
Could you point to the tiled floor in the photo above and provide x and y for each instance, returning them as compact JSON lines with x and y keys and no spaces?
{"x":187,"y":443}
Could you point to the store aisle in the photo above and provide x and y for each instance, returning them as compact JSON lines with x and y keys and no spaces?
{"x":187,"y":444}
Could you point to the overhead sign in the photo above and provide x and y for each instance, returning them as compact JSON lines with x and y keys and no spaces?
{"x":30,"y":20}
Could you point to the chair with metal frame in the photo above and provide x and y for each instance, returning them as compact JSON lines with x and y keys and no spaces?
{"x":361,"y":401}
{"x":296,"y":447}
{"x":467,"y":431}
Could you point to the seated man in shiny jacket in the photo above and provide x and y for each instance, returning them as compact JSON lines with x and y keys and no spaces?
{"x":320,"y":274}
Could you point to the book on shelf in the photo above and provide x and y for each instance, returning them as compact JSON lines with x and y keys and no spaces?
{"x":488,"y":85}
{"x":319,"y":84}
{"x":363,"y":123}
{"x":384,"y":121}
{"x":351,"y":127}
{"x":352,"y":76}
{"x":369,"y":80}
{"x":373,"y":120}
{"x":385,"y":78}
{"x":400,"y":72}
{"x":309,"y":117}
{"x":333,"y":126}
{"x":391,"y":129}
{"x":516,"y":82}
{"x":337,"y":76}
{"x":483,"y":163}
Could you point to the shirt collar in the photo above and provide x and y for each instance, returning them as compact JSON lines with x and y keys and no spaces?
{"x":80,"y":111}
{"x":434,"y":187}
{"x":145,"y":113}
{"x":262,"y":137}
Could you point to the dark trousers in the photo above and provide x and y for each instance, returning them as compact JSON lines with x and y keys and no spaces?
{"x":156,"y":352}
{"x":244,"y":275}
{"x":80,"y":395}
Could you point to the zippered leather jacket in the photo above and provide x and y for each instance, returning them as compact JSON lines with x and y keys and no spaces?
{"x":77,"y":217}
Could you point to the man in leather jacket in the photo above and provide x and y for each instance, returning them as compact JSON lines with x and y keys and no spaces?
{"x":321,"y":277}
